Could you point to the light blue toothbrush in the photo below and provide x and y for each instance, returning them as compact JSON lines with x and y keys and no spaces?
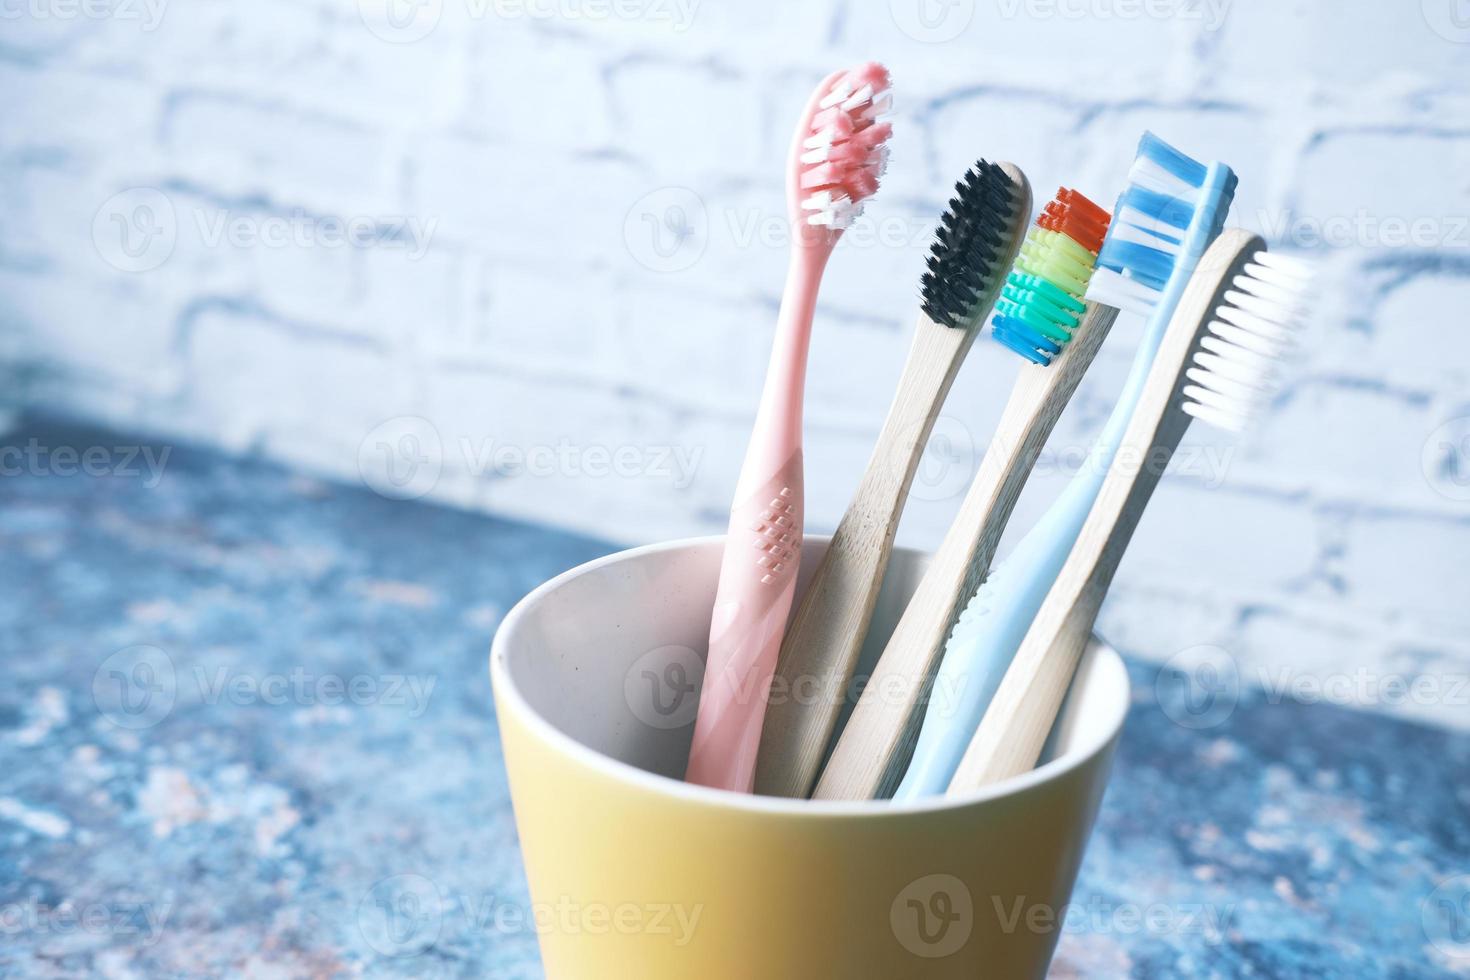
{"x":1172,"y":210}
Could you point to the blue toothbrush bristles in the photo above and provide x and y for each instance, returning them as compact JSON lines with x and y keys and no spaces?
{"x":1025,"y":341}
{"x":1172,"y":208}
{"x":1186,"y":168}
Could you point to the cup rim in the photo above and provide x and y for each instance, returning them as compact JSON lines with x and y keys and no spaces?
{"x":507,"y":694}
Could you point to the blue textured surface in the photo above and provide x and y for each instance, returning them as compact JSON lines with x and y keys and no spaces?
{"x":256,"y":830}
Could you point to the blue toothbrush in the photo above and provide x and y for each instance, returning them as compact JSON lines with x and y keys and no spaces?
{"x":1172,"y":210}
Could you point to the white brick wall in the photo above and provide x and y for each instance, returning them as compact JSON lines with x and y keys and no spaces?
{"x":519,"y":165}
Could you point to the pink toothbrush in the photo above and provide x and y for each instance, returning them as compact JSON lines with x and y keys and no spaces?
{"x":836,"y":158}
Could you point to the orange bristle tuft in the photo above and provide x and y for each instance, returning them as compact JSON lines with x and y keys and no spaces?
{"x":1075,"y":216}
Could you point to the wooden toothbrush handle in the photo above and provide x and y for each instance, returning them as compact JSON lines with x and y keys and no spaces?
{"x":1020,"y":717}
{"x":871,"y":753}
{"x":827,"y":631}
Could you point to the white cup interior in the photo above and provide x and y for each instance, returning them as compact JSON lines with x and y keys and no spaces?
{"x":609,"y":655}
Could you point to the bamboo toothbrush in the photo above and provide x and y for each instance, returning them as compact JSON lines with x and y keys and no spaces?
{"x":837,"y":155}
{"x":1042,"y":317}
{"x":1171,"y":210}
{"x":1217,"y":364}
{"x":975,"y":242}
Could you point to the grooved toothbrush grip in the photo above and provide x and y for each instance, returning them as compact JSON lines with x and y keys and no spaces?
{"x":976,"y":657}
{"x":752,"y":603}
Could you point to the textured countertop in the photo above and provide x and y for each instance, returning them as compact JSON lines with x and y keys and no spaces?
{"x":247,"y":711}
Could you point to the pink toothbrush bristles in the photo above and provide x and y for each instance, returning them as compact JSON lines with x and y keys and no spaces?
{"x":845,"y":152}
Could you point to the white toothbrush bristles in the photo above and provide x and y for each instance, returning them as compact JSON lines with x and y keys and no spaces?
{"x":1236,"y":370}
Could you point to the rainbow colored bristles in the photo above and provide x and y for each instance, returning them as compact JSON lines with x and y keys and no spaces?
{"x":1041,"y":301}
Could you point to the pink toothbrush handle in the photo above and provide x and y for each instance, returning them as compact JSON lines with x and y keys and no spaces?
{"x":757,"y":582}
{"x":763,"y":545}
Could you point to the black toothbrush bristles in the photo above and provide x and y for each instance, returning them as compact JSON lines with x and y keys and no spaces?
{"x":962,"y":262}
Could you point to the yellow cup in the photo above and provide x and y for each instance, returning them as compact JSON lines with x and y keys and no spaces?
{"x":636,"y":874}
